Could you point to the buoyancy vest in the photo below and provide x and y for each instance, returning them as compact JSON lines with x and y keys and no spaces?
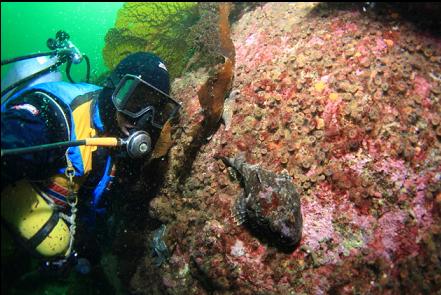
{"x":63,"y":95}
{"x":81,"y":114}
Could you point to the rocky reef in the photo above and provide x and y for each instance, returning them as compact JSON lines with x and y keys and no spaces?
{"x":344,"y":101}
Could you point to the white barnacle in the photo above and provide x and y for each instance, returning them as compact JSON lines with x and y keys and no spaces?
{"x":238,"y":249}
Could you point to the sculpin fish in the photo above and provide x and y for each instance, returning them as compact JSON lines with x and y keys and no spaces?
{"x":269,"y":203}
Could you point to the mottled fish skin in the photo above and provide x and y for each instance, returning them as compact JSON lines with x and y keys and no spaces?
{"x":269,"y":202}
{"x":229,"y":105}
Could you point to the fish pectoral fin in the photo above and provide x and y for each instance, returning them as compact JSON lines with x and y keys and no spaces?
{"x":238,"y":210}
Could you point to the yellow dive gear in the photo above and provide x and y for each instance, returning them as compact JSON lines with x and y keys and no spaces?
{"x":39,"y":226}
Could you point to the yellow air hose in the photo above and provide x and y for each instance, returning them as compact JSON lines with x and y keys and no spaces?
{"x":98,"y":141}
{"x":103,"y":141}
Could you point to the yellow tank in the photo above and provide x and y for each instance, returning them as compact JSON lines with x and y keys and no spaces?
{"x":27,"y":212}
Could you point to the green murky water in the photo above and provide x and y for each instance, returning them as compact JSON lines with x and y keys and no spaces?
{"x":25,"y":28}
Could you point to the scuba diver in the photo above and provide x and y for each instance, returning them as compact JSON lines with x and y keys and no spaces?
{"x":56,"y":162}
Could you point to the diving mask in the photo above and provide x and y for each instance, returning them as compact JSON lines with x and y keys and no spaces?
{"x":135,"y":97}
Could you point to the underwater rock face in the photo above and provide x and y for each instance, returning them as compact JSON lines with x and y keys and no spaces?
{"x":349,"y":104}
{"x":269,"y":203}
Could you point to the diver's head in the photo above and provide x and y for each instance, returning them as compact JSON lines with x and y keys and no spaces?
{"x":136,"y":96}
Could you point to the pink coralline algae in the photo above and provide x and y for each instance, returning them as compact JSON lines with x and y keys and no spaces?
{"x":339,"y":28}
{"x":318,"y":227}
{"x":249,"y":53}
{"x":422,"y":210}
{"x":330,"y":116}
{"x":391,"y":223}
{"x":321,"y":229}
{"x":315,"y":41}
{"x":422,"y":88}
{"x":380,"y":46}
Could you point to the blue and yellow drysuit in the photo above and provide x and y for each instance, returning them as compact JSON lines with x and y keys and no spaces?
{"x":35,"y":187}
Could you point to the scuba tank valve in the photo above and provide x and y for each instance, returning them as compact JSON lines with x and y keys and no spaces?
{"x":62,"y":51}
{"x":76,"y":56}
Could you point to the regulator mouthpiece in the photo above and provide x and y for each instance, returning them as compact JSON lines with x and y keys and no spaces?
{"x":138,"y":144}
